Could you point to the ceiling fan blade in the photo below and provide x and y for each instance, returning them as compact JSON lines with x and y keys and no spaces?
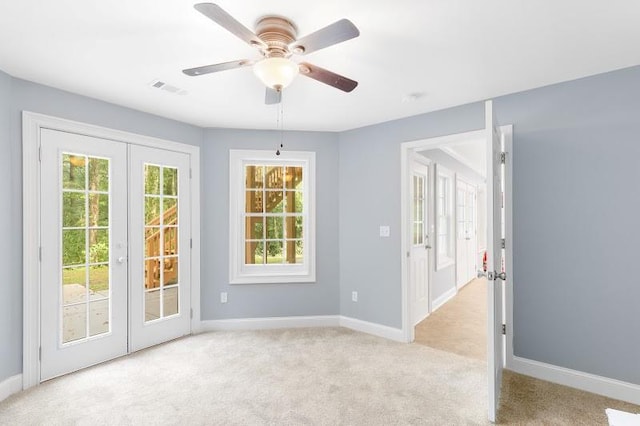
{"x":208,"y":69}
{"x":335,"y":33}
{"x":228,"y":22}
{"x":272,"y":97}
{"x":327,"y":77}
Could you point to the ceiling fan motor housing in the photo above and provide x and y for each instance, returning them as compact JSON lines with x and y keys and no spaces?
{"x":277,"y":33}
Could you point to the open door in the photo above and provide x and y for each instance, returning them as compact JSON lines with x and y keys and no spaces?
{"x":495,"y":276}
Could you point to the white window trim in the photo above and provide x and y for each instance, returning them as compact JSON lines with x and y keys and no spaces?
{"x":444,"y":261}
{"x":239,"y":273}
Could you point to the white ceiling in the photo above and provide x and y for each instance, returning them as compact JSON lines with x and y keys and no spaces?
{"x":450,"y":52}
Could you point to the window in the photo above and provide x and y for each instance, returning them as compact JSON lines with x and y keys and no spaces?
{"x":444,"y":220}
{"x":272,"y":214}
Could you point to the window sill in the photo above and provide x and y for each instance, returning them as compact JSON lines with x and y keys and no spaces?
{"x":273,"y":279}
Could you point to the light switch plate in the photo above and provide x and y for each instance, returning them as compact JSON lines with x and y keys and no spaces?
{"x":385,"y":231}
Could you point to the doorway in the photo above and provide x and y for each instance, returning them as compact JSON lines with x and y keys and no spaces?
{"x":456,"y":320}
{"x":114,"y":223}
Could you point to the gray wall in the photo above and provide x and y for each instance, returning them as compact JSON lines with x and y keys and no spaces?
{"x":18,"y":95}
{"x":576,"y":206}
{"x":267,"y":300}
{"x":370,"y":197}
{"x":10,"y":265}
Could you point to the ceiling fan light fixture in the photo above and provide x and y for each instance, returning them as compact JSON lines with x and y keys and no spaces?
{"x":276,"y":73}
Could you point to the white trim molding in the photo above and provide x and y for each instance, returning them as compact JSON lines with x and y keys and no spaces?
{"x":10,"y":385}
{"x":271,"y":323}
{"x":379,"y":330}
{"x":32,"y":123}
{"x":444,"y":298}
{"x":611,"y":388}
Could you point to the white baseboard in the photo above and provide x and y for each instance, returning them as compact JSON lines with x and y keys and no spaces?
{"x":271,"y":323}
{"x":10,"y":386}
{"x":611,"y":388}
{"x":304,"y":321}
{"x":373,"y":328}
{"x":443,"y":298}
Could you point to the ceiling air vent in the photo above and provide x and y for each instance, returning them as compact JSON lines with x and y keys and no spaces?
{"x":167,"y":87}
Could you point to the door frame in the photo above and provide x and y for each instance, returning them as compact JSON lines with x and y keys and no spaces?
{"x":31,"y":254}
{"x":406,"y":149}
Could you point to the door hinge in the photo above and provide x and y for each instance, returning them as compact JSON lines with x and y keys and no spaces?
{"x":504,"y":329}
{"x":408,"y":254}
{"x":40,"y":353}
{"x":190,"y":243}
{"x":190,"y":174}
{"x":503,"y":157}
{"x":40,"y":153}
{"x":503,"y":243}
{"x":40,"y":253}
{"x":191,"y":313}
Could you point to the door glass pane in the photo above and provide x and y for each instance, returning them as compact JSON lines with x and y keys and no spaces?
{"x":152,"y":241}
{"x":74,"y":322}
{"x":85,"y":308}
{"x":170,"y":179}
{"x":73,"y":209}
{"x":98,"y":317}
{"x":152,"y":210}
{"x":73,"y":171}
{"x":274,"y":252}
{"x":170,"y":211}
{"x":161,"y":242}
{"x":98,"y":174}
{"x":152,"y":305}
{"x":99,"y":210}
{"x":273,"y":177}
{"x":98,"y":245}
{"x":74,"y":287}
{"x":73,"y":246}
{"x":98,"y":282}
{"x":151,"y":179}
{"x":170,"y":301}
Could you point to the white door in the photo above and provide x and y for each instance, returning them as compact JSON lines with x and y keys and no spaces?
{"x":84,"y":248}
{"x":419,"y":240}
{"x":466,"y":245}
{"x":160,"y":260}
{"x":495,"y":354}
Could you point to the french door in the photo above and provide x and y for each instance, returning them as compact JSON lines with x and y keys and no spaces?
{"x":115,"y":275}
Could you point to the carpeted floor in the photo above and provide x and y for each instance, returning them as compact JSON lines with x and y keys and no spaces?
{"x":459,"y":326}
{"x":320,"y":376}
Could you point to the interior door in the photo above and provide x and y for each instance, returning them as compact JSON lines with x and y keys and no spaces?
{"x":84,"y":247}
{"x":419,"y":238}
{"x":495,"y":354}
{"x":160,"y":254}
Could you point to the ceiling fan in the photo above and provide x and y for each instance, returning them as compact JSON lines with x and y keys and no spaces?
{"x":275,"y":38}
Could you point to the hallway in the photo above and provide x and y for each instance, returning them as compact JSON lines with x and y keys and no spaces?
{"x":460,"y":325}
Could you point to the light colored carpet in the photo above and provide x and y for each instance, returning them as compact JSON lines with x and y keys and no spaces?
{"x":323,"y":376}
{"x":529,"y":401}
{"x":460,"y":325}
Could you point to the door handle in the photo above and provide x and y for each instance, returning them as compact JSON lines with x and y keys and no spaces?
{"x":427,"y":247}
{"x":491,"y":276}
{"x":121,"y":259}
